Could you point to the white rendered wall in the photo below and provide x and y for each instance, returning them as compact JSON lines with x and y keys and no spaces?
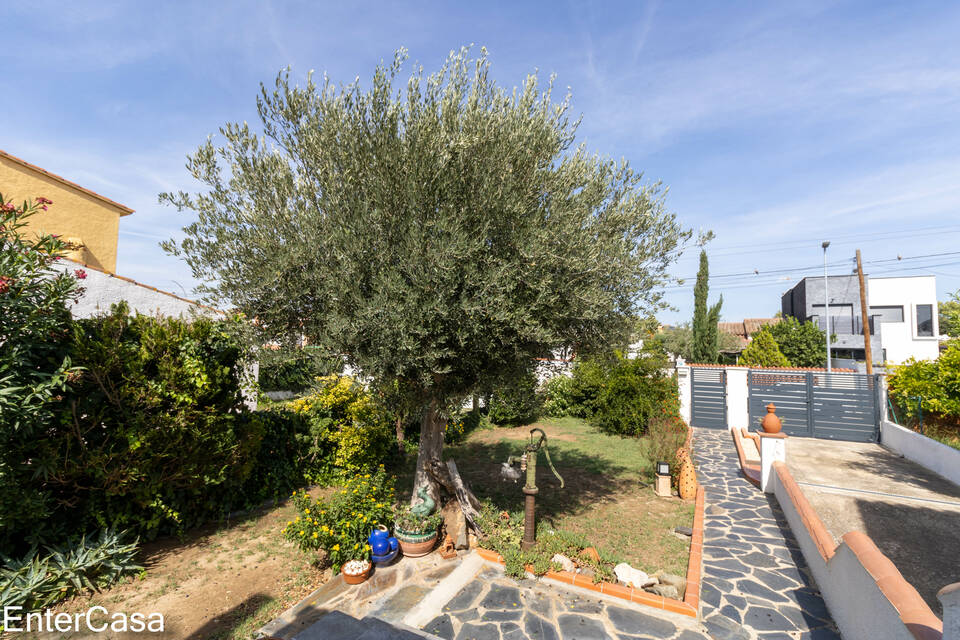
{"x":900,"y":339}
{"x":857,"y":605}
{"x":683,"y":384}
{"x":933,"y":455}
{"x":738,"y":398}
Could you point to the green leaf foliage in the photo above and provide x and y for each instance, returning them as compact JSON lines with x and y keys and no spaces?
{"x":950,"y":316}
{"x":39,"y":580}
{"x":516,"y":401}
{"x":803,"y":344}
{"x":434,"y":231}
{"x":763,"y":352}
{"x":935,"y":382}
{"x":620,"y":395}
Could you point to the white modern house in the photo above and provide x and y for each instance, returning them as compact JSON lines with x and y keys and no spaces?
{"x":902,"y":313}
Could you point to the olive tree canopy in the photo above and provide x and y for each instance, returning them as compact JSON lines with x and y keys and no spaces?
{"x":432,"y":234}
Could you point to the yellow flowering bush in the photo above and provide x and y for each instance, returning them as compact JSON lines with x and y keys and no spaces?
{"x":341,"y":524}
{"x":349,"y":431}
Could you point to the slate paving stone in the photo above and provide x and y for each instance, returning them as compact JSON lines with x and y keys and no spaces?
{"x":753,"y":588}
{"x":758,"y":560}
{"x":397,"y":605}
{"x":765,"y":618}
{"x":630,"y":621}
{"x":501,"y":616}
{"x":576,"y":603}
{"x":511,"y":631}
{"x":466,"y":615}
{"x":466,"y":596}
{"x":501,"y":597}
{"x":737,"y":601}
{"x":441,"y":626}
{"x":775,"y":580}
{"x":731,"y":612}
{"x":810,"y":602}
{"x":539,"y":629}
{"x":473,"y":631}
{"x":723,"y":628}
{"x":575,"y":627}
{"x":709,"y":594}
{"x":540,"y":603}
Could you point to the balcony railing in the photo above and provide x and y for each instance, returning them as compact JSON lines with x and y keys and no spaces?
{"x":844,"y":325}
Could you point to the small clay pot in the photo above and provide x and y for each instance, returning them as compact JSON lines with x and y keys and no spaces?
{"x":771,"y":423}
{"x":357,"y":578}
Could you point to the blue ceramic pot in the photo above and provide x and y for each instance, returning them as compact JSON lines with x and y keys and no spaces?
{"x":381,"y":543}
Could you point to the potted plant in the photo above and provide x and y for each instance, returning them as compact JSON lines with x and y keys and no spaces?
{"x":357,"y":570}
{"x":416,"y":532}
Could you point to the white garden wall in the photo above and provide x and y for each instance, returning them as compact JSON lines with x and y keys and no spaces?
{"x":933,"y":455}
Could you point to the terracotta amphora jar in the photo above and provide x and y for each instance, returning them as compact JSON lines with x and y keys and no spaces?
{"x":771,"y":423}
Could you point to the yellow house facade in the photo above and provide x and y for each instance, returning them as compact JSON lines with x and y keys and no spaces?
{"x":89,"y":222}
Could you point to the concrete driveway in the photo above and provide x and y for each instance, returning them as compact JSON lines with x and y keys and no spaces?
{"x":911,"y":513}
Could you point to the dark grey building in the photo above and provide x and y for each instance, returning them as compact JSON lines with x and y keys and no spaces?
{"x":805,"y":301}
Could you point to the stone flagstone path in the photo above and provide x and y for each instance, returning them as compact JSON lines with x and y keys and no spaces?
{"x":755,"y":581}
{"x":496,"y":607}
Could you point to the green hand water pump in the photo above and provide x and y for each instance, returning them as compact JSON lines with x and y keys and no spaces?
{"x":528,"y":463}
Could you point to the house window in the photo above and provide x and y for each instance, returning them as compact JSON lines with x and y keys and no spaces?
{"x":887,"y":313}
{"x":924,"y":320}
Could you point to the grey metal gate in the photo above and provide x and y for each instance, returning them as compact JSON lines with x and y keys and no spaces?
{"x":709,"y":397}
{"x":835,"y":406}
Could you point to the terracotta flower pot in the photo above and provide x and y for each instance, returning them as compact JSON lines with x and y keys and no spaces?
{"x":414,"y":545}
{"x":771,"y":423}
{"x":357,"y":577}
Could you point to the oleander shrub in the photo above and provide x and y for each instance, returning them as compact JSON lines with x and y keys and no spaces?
{"x":35,"y":365}
{"x":347,"y":429}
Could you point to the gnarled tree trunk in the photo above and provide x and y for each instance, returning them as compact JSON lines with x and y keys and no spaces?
{"x":436,"y":476}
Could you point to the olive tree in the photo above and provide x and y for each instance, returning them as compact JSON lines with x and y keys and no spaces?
{"x":434,"y":235}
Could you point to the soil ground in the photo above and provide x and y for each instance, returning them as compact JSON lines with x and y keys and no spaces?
{"x":221,"y":581}
{"x":910,"y":512}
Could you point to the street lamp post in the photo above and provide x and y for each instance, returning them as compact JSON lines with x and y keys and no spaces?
{"x":826,"y":298}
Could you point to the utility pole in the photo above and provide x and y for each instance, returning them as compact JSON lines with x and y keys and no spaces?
{"x":866,"y":316}
{"x":826,"y":299}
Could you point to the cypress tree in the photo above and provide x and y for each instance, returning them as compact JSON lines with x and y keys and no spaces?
{"x":705,"y":337}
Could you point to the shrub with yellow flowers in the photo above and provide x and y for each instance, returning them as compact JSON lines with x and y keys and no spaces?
{"x":349,"y":431}
{"x":341,"y":524}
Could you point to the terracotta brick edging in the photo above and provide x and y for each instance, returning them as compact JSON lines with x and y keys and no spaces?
{"x":750,"y":471}
{"x":818,"y":532}
{"x":689,"y":606}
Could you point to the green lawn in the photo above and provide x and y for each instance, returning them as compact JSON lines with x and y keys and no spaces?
{"x":607,"y":495}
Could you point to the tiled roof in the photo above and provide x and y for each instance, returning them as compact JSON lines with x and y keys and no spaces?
{"x":743,"y":366}
{"x":146,"y":286}
{"x":125,"y":210}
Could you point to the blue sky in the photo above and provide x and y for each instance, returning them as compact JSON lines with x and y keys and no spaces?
{"x":774,"y":126}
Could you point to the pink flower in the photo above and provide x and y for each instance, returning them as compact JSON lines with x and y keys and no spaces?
{"x":80,"y":273}
{"x":42,"y":200}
